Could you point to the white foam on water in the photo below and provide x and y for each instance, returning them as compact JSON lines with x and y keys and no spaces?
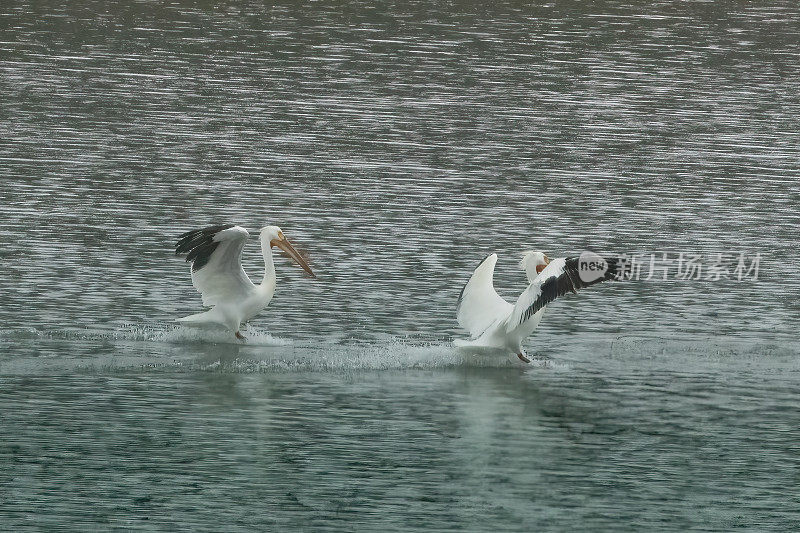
{"x":186,"y":335}
{"x":177,"y":348}
{"x":253,"y":337}
{"x":154,"y":347}
{"x":395,"y":354}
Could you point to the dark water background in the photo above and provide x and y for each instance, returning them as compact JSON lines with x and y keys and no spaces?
{"x":398,"y":143}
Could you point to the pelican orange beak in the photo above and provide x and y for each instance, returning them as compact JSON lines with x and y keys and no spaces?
{"x":283,"y":243}
{"x":539,"y":268}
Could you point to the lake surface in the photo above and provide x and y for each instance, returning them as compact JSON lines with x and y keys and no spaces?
{"x":398,"y":144}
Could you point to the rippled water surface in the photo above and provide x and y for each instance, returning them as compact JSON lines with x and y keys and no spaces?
{"x":398,"y":144}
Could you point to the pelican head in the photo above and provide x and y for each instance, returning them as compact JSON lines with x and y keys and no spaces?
{"x":273,"y":236}
{"x":533,"y":262}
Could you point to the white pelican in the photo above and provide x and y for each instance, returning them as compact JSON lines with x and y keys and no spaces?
{"x":216,"y":256}
{"x":496,"y":325}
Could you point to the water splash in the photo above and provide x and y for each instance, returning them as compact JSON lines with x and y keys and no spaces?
{"x":180,"y":349}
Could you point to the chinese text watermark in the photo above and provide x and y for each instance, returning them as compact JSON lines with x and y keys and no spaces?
{"x":663,"y":266}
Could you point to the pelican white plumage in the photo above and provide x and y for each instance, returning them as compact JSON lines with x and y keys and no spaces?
{"x":497,"y":325}
{"x":216,"y":256}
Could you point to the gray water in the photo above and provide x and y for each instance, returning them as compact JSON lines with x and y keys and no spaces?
{"x":398,"y":144}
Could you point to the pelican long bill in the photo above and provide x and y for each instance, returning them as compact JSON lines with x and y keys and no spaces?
{"x":283,"y":243}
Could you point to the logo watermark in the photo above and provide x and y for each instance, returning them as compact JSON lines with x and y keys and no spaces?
{"x":591,"y":266}
{"x":679,"y":266}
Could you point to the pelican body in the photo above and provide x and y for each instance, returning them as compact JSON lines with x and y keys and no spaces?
{"x":499,"y":326}
{"x":216,"y":256}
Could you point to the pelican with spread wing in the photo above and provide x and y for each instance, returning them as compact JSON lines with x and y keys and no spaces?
{"x":216,"y":256}
{"x":497,"y":325}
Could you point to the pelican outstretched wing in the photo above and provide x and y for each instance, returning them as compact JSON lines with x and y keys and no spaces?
{"x":216,"y":256}
{"x":479,"y":306}
{"x":558,"y":278}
